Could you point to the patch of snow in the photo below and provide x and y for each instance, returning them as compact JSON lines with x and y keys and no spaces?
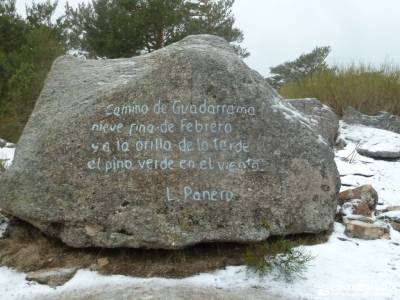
{"x":340,"y":270}
{"x":360,"y":133}
{"x":393,"y":215}
{"x":7,"y":155}
{"x":78,"y":53}
{"x":354,"y":181}
{"x":356,"y":170}
{"x":13,"y":285}
{"x":290,"y":113}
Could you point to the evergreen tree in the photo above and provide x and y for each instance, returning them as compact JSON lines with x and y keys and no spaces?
{"x":27,"y":49}
{"x":163,"y":22}
{"x":124,"y":28}
{"x":215,"y":17}
{"x":305,"y":65}
{"x":105,"y":28}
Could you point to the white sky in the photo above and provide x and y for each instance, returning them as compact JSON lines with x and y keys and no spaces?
{"x":280,"y":30}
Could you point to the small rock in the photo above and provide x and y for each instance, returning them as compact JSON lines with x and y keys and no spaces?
{"x":380,"y":150}
{"x":52,"y":277}
{"x":390,"y":208}
{"x":390,"y":216}
{"x":367,"y":231}
{"x":366,"y":193}
{"x":393,"y":208}
{"x":382,"y":120}
{"x":102,"y":262}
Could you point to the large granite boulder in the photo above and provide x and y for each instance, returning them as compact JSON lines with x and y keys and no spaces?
{"x":322,"y":117}
{"x":181,"y":146}
{"x":382,"y":120}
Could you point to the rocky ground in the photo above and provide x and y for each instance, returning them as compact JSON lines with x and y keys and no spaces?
{"x":361,"y":259}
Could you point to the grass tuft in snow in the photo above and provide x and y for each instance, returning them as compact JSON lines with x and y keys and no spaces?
{"x":279,"y":258}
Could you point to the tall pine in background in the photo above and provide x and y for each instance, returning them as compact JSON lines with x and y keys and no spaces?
{"x":305,"y":65}
{"x":105,"y":28}
{"x":28,"y":46}
{"x":124,"y":28}
{"x":215,"y":17}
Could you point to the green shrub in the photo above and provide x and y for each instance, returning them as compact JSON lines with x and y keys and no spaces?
{"x":367,"y":88}
{"x":278,"y":258}
{"x":28,"y":46}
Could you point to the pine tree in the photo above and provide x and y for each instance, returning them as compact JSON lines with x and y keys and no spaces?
{"x":124,"y":28}
{"x":28,"y":47}
{"x":215,"y":17}
{"x":306,"y":65}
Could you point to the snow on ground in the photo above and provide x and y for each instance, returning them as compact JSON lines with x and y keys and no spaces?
{"x":357,"y":169}
{"x":343,"y":268}
{"x":6,"y":155}
{"x":371,"y":138}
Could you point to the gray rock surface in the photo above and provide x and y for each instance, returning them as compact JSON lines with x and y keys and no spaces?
{"x":390,"y":216}
{"x":382,"y":120}
{"x":321,"y":116}
{"x":378,"y":149}
{"x":111,"y":157}
{"x":373,"y":142}
{"x":389,"y":209}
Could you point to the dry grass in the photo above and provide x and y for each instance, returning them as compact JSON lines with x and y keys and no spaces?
{"x":367,"y":88}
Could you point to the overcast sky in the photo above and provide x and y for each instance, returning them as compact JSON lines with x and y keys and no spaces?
{"x":279,"y":30}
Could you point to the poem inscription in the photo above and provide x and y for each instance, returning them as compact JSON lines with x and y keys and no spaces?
{"x":205,"y":143}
